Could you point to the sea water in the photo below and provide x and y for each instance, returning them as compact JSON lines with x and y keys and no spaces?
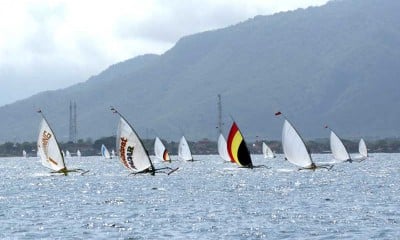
{"x":205,"y":199}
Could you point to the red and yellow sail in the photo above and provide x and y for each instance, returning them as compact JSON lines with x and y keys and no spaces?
{"x":237,"y":147}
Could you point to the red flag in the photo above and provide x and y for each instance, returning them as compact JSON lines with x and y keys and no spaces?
{"x":278,"y":113}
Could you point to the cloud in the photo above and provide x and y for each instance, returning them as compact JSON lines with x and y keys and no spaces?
{"x":49,"y":44}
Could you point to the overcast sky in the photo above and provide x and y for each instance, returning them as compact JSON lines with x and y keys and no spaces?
{"x":46,"y":45}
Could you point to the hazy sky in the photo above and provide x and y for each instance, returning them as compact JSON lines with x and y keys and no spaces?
{"x":53,"y":44}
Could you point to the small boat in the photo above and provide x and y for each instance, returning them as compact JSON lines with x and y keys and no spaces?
{"x":24,"y":154}
{"x":104,"y":152}
{"x":49,"y":149}
{"x":160,"y":151}
{"x":237,"y":148}
{"x":363,"y":152}
{"x":112,"y":153}
{"x":78,"y":153}
{"x":131,"y":151}
{"x":184,"y":153}
{"x":338,"y":149}
{"x":67,"y":154}
{"x":294,"y":148}
{"x":223,"y":149}
{"x":267,"y":152}
{"x":362,"y":148}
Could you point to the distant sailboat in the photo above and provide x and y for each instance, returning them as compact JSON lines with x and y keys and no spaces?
{"x":160,"y":151}
{"x":267,"y":152}
{"x":363,"y":152}
{"x":184,"y":153}
{"x":104,"y":152}
{"x":223,"y":148}
{"x":294,"y":147}
{"x":237,"y":148}
{"x":78,"y":153}
{"x":362,"y":148}
{"x":338,"y":149}
{"x":67,"y":153}
{"x":131,"y":151}
{"x":112,"y":153}
{"x":24,"y":154}
{"x":49,"y":150}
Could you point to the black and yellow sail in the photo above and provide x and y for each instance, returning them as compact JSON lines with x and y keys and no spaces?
{"x":237,"y":147}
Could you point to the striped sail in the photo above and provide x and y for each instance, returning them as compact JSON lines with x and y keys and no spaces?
{"x":131,"y":151}
{"x":237,"y":147}
{"x":160,"y":151}
{"x":338,"y":149}
{"x":104,"y":152}
{"x":293,"y":146}
{"x":362,"y":148}
{"x":267,"y":152}
{"x":48,"y":148}
{"x":222,"y":148}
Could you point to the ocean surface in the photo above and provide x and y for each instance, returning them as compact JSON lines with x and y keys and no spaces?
{"x":205,"y":199}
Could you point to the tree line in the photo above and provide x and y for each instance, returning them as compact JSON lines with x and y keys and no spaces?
{"x":89,"y":147}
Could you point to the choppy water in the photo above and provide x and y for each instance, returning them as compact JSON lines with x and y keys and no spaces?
{"x":207,"y":199}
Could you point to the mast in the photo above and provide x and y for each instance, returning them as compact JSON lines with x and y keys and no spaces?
{"x":219,"y":114}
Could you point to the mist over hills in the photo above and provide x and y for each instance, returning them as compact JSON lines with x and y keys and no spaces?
{"x":336,"y":64}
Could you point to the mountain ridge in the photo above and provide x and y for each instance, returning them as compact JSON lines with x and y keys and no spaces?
{"x":320,"y":65}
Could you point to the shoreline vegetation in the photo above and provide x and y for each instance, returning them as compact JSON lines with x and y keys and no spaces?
{"x":89,"y":147}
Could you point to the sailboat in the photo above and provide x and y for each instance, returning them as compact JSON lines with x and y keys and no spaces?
{"x":131,"y":151}
{"x":184,"y":153}
{"x":49,"y":150}
{"x":68,"y":154}
{"x":363,"y":152}
{"x":237,"y":148}
{"x":267,"y":152}
{"x":223,"y":148}
{"x":104,"y":152}
{"x":78,"y":153}
{"x":160,"y":151}
{"x":112,"y":153}
{"x":24,"y":154}
{"x":294,"y":147}
{"x":338,"y":149}
{"x":362,"y":148}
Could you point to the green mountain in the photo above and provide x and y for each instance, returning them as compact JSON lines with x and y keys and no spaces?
{"x":335,"y":64}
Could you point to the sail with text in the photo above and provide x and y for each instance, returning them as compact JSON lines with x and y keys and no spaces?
{"x":104,"y":152}
{"x":294,"y":147}
{"x":184,"y":153}
{"x":131,"y":151}
{"x":237,"y":147}
{"x":49,"y":149}
{"x":160,"y":151}
{"x":338,"y":149}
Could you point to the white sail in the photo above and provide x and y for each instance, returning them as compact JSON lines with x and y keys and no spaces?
{"x":78,"y":153}
{"x":112,"y":153}
{"x":160,"y":151}
{"x":293,"y":146}
{"x":104,"y":152}
{"x":222,"y":148}
{"x":24,"y":154}
{"x":48,"y":148}
{"x":130,"y":148}
{"x":184,"y":150}
{"x":267,"y":152}
{"x":338,"y":149}
{"x":67,"y":153}
{"x":362,"y":148}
